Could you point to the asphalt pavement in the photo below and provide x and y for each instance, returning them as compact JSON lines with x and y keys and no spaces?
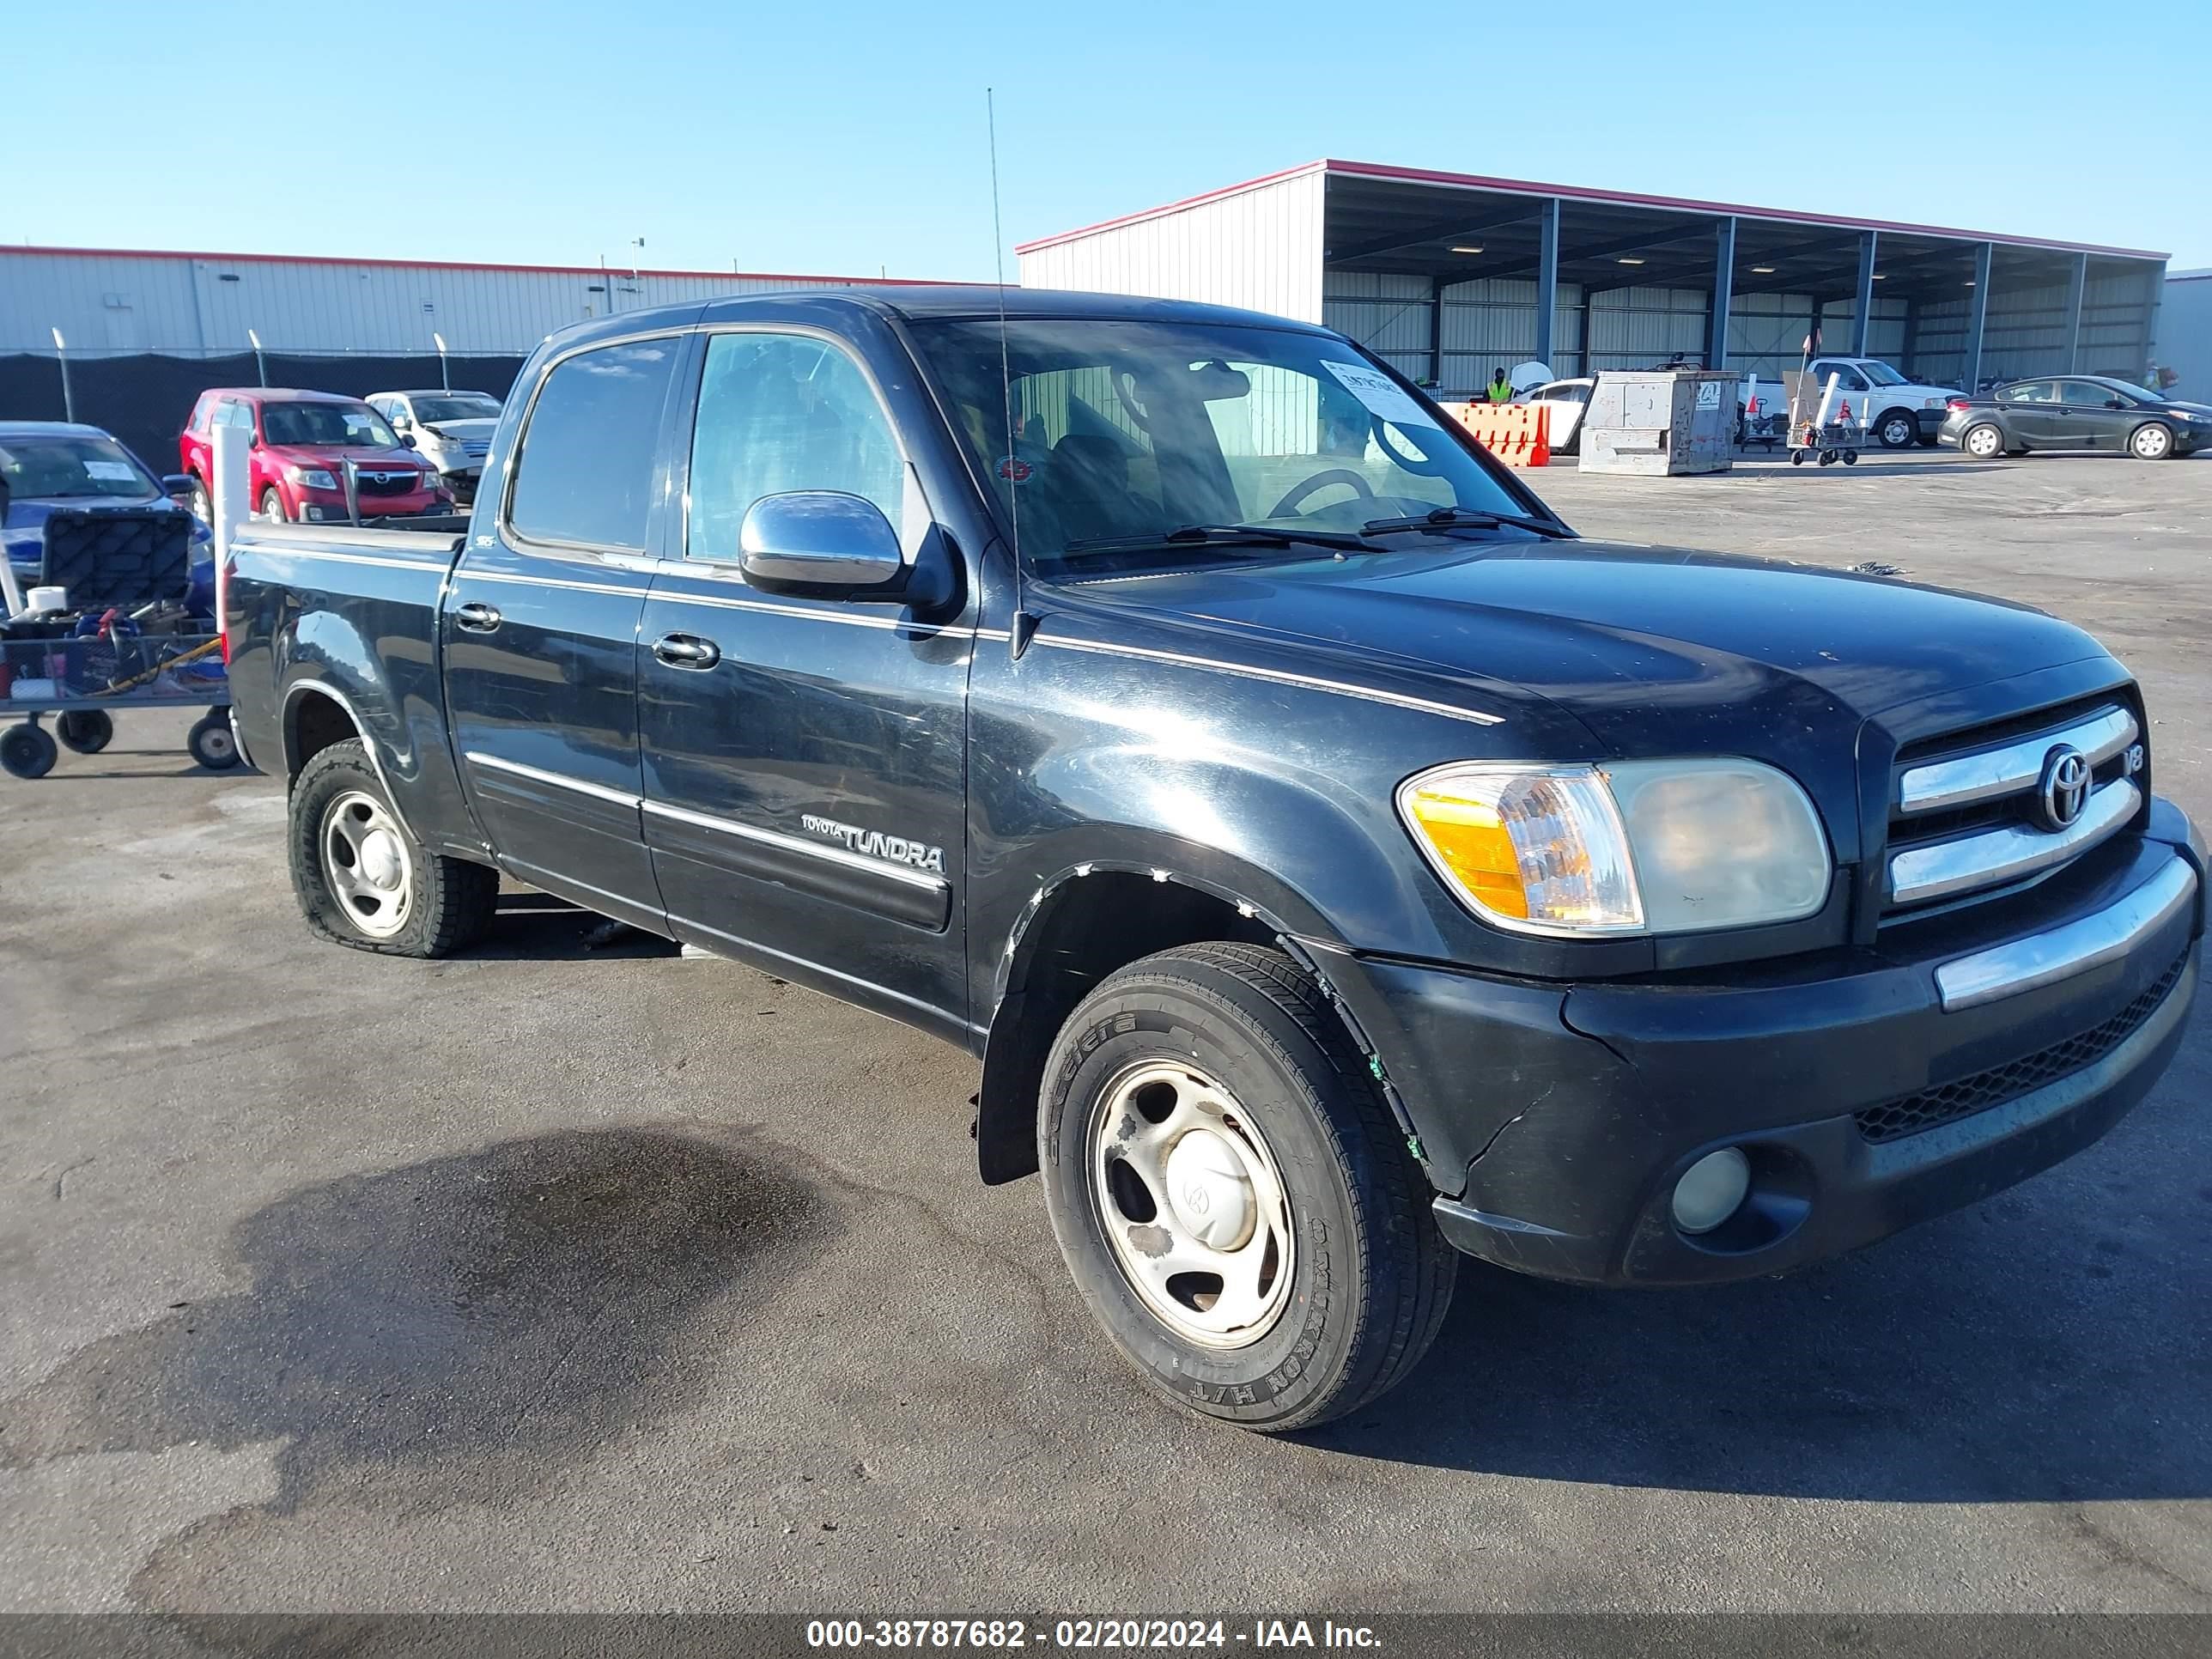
{"x":578,"y":1276}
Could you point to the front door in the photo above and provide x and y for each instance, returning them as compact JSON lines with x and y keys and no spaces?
{"x":805,"y":758}
{"x":2094,"y":415}
{"x":540,"y":630}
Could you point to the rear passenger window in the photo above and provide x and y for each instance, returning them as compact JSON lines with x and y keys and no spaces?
{"x":779,"y":412}
{"x":584,"y":474}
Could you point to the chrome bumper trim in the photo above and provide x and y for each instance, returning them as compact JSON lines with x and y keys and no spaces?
{"x":1943,"y":867}
{"x":2014,"y":768}
{"x":2040,"y":959}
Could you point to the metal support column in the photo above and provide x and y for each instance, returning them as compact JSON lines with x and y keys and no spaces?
{"x":1863,"y":317}
{"x":1717,"y":315}
{"x":1977,"y":314}
{"x":2077,"y":284}
{"x":1436,"y":331}
{"x":1547,"y":279}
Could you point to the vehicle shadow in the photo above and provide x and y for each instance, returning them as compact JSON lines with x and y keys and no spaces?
{"x":534,"y":926}
{"x":2024,"y":1350}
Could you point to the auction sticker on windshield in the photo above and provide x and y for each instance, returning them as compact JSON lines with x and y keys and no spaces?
{"x":111,"y":472}
{"x":1381,"y":395}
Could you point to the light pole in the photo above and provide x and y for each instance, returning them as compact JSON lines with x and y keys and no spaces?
{"x":445,"y":379}
{"x":69,"y":396}
{"x":260,"y":366}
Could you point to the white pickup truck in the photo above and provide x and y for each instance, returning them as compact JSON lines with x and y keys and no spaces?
{"x":1897,"y":411}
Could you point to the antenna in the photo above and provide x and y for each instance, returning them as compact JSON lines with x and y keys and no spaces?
{"x":1010,"y":464}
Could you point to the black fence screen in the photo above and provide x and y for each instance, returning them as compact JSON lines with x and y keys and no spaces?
{"x":145,"y":400}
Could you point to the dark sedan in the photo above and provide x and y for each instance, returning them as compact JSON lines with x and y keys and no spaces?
{"x":2077,"y":412}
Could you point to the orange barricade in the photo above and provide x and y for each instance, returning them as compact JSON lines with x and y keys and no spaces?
{"x":1519,"y":434}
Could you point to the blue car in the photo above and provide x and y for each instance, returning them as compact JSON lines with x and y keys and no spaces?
{"x":50,"y":465}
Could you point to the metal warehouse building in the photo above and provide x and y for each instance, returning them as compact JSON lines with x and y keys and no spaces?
{"x":2184,"y":333}
{"x":196,"y":305}
{"x":1448,"y":276}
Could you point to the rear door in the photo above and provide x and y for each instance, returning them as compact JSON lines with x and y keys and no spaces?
{"x":2032,"y":415}
{"x":539,"y":627}
{"x":805,"y":758}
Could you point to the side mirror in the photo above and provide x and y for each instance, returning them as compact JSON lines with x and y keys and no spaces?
{"x":401,"y":424}
{"x":823,"y":540}
{"x":408,"y":438}
{"x":177,"y":486}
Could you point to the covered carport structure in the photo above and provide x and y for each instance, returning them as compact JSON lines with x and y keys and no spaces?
{"x":1449,"y":275}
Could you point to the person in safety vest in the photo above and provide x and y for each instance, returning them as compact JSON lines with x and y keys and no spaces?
{"x":1500,"y":391}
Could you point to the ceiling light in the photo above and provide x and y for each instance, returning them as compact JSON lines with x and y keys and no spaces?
{"x":1630,"y":262}
{"x":1970,"y":281}
{"x":1466,"y":249}
{"x":1762,"y":270}
{"x":1879,"y":274}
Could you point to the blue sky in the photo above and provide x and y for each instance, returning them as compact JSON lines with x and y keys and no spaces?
{"x":848,"y":138}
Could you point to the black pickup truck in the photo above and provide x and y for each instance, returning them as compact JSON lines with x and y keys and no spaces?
{"x":1333,"y":862}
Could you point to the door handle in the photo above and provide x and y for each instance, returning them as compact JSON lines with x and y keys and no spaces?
{"x":687,"y":651}
{"x":476,"y":618}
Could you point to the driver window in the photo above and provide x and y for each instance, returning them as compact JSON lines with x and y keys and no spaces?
{"x":783,"y":412}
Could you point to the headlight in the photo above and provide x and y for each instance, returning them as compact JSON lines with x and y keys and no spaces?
{"x":314,"y":477}
{"x":1638,"y":847}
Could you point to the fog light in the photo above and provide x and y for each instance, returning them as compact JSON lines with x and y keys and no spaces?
{"x":1711,"y":1190}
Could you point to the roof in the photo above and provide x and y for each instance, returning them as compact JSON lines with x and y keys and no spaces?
{"x":431,"y":392}
{"x":51,"y":429}
{"x":280,"y":394}
{"x":452,"y":264}
{"x":1470,"y":181}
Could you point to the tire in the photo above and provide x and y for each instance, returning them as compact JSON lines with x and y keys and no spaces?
{"x":1287,"y":1137}
{"x":87,"y":731}
{"x":2151,"y":441}
{"x":272,"y":504}
{"x":1983,"y":442}
{"x":202,"y":504}
{"x":1927,"y":440}
{"x":1796,"y":458}
{"x":1898,"y":429}
{"x":27,"y":752}
{"x":212,"y":744}
{"x":438,"y":905}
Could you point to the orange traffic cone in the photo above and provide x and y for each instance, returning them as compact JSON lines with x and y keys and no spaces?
{"x":1540,"y":437}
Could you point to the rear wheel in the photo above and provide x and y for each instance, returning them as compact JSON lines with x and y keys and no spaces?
{"x":363,"y":880}
{"x":27,"y":752}
{"x":1897,"y":429}
{"x":212,"y":744}
{"x":1983,"y":443}
{"x":87,"y":730}
{"x":2150,"y":442}
{"x":1236,"y":1205}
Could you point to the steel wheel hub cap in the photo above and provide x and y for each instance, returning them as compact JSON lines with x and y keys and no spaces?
{"x":365,"y":862}
{"x":1191,"y":1204}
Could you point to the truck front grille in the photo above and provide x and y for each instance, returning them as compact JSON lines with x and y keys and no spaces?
{"x":1894,"y":1120}
{"x":1968,"y":814}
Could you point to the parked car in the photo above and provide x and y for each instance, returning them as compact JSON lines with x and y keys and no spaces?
{"x":49,"y":465}
{"x":1906,"y":411}
{"x":1567,"y":401}
{"x":1332,"y":860}
{"x":452,"y":430}
{"x":2077,"y":412}
{"x":300,"y":442}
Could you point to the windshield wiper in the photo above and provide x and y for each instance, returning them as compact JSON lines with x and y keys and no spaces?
{"x":1450,"y":518}
{"x":1216,"y":535}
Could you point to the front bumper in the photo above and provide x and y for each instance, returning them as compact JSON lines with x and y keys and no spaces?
{"x":1557,"y":1119}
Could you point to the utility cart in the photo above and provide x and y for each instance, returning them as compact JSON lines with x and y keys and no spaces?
{"x":105,"y":624}
{"x":1825,"y":442}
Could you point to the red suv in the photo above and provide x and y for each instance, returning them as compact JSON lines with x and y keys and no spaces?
{"x":300,"y":442}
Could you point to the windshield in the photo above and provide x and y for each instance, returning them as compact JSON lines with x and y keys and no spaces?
{"x":1131,"y":429}
{"x":333,"y":424}
{"x":1882,"y":374}
{"x":431,"y":411}
{"x":52,"y":467}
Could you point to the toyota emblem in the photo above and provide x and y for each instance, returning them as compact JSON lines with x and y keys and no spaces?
{"x":2064,"y":790}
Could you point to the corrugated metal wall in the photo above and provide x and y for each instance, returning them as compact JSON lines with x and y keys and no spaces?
{"x":2184,"y":333}
{"x":190,"y":305}
{"x":1260,"y":249}
{"x":2024,"y":330}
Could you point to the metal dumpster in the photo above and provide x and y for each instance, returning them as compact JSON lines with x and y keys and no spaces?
{"x":1660,"y":422}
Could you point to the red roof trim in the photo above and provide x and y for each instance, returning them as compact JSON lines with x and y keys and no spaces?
{"x":1583,"y":193}
{"x":458,"y":264}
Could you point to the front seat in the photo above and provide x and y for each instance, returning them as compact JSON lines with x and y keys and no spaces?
{"x":1086,"y":488}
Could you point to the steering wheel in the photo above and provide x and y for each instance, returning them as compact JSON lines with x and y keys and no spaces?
{"x":1321,"y":480}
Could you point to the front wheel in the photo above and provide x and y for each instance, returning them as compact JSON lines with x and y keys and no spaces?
{"x":1983,"y":443}
{"x":203,"y":506}
{"x":87,"y":730}
{"x":27,"y":752}
{"x":1897,"y":429}
{"x":272,"y":504}
{"x":363,"y":880}
{"x":1237,"y":1205}
{"x":2150,"y":442}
